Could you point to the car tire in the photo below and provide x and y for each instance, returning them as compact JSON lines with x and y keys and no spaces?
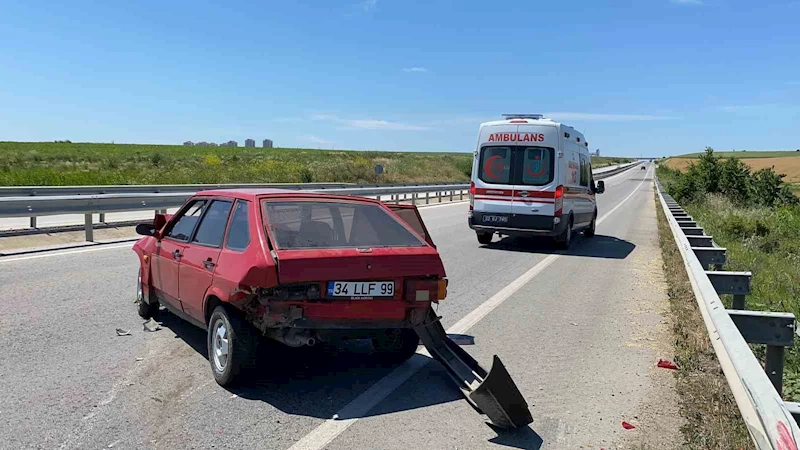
{"x":145,"y":310}
{"x":232,"y":345}
{"x":589,"y":232}
{"x":565,"y":239}
{"x":397,"y":345}
{"x":485,"y":238}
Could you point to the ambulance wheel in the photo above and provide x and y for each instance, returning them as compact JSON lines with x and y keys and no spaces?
{"x":563,"y":241}
{"x":485,"y":238}
{"x":589,"y":232}
{"x":397,"y":345}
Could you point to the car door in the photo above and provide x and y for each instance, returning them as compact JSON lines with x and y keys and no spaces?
{"x":584,"y":199}
{"x":200,"y":257}
{"x":535,"y":177}
{"x":170,"y":250}
{"x":494,"y":188}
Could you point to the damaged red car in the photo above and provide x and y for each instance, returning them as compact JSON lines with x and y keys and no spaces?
{"x":297,"y":267}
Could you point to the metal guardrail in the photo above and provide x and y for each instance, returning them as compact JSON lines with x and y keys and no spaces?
{"x":44,"y":205}
{"x":26,"y":191}
{"x":756,"y":389}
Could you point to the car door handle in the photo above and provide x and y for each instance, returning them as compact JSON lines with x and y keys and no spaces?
{"x":209,"y":264}
{"x":176,"y":254}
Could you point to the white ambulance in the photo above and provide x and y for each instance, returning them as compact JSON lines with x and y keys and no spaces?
{"x":532,"y":176}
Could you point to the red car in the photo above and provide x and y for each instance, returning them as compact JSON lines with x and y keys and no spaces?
{"x":293,"y":266}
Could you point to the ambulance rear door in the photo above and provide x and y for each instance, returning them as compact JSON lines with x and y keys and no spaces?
{"x":537,"y":174}
{"x":492,"y":173}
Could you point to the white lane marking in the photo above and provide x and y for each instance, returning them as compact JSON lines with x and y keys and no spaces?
{"x":326,"y":432}
{"x":68,"y":252}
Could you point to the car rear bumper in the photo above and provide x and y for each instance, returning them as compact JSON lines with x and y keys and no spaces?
{"x":518,"y":224}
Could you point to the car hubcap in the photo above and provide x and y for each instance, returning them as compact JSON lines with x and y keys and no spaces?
{"x":139,"y":290}
{"x":220,"y":347}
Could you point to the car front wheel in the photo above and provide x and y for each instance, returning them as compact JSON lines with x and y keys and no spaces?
{"x":146,"y":310}
{"x":231,"y":345}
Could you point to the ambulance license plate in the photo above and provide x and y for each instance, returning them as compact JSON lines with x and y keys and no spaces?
{"x":361,"y":289}
{"x":494,"y":219}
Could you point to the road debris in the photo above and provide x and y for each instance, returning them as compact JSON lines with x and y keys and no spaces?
{"x":666,"y":364}
{"x":151,"y":325}
{"x":139,"y":359}
{"x":234,"y":396}
{"x":573,"y":324}
{"x":627,"y":426}
{"x":122,"y":332}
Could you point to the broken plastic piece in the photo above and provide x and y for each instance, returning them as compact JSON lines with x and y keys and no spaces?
{"x":667,"y":364}
{"x":627,"y":426}
{"x":121,"y":332}
{"x":151,"y":325}
{"x":492,"y":393}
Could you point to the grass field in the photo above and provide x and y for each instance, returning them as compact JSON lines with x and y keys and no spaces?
{"x":788,"y":164}
{"x":74,"y":164}
{"x":745,"y":154}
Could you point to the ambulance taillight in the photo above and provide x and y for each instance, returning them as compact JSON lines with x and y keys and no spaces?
{"x":559,"y":200}
{"x":471,"y":194}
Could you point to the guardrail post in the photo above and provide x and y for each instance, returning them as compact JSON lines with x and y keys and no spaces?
{"x":414,"y":198}
{"x":102,"y":218}
{"x":87,"y":220}
{"x":427,"y":198}
{"x":774,"y":366}
{"x":379,"y":198}
{"x":33,"y":222}
{"x":461,"y":194}
{"x":451,"y":196}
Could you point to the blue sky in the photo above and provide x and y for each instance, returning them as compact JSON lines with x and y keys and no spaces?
{"x":655,"y":77}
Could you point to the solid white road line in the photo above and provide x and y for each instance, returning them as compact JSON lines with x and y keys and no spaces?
{"x":361,"y":405}
{"x":47,"y":254}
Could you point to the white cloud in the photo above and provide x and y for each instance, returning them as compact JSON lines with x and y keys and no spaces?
{"x":747,"y":109}
{"x":368,"y":124}
{"x":368,"y":5}
{"x":415,"y":69}
{"x":686,"y":2}
{"x":604,"y":117}
{"x":316,"y":140}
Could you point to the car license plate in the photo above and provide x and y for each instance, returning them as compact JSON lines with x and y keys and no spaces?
{"x":361,"y":289}
{"x":494,"y":219}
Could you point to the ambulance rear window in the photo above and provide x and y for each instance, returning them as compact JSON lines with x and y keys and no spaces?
{"x":495,"y":165}
{"x":537,"y":166}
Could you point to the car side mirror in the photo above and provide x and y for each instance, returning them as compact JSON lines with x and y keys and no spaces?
{"x":145,"y":229}
{"x":601,"y":187}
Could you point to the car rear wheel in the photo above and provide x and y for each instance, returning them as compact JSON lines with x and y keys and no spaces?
{"x":563,"y":241}
{"x":396,"y":345}
{"x":146,"y":310}
{"x":232,"y":346}
{"x":589,"y":232}
{"x":485,"y":238}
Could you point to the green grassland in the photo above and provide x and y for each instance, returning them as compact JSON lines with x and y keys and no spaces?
{"x":75,"y":164}
{"x":746,"y":154}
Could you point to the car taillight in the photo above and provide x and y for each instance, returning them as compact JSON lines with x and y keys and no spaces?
{"x":426,"y":290}
{"x":559,"y":205}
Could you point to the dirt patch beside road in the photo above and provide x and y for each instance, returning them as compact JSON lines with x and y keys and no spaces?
{"x":789,"y":165}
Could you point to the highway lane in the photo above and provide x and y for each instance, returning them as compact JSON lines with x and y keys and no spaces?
{"x":70,"y":382}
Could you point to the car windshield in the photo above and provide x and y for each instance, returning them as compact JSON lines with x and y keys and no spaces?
{"x":329,"y":224}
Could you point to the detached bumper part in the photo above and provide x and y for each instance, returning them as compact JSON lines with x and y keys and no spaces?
{"x":493,"y":394}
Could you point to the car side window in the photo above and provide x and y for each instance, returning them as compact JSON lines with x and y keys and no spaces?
{"x":585,"y":171}
{"x":184,"y":225}
{"x":239,"y":230}
{"x":212,"y":225}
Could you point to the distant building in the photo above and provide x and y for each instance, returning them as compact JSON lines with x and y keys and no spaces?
{"x":201,"y":144}
{"x":188,"y":143}
{"x":230,"y":144}
{"x":212,"y":144}
{"x":267,"y":143}
{"x":597,"y":152}
{"x":249,"y":143}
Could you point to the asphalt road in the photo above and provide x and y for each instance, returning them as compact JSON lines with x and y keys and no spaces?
{"x":580,"y":332}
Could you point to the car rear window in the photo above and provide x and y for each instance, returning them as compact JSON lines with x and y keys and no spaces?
{"x":537,"y":165}
{"x":313,"y":224}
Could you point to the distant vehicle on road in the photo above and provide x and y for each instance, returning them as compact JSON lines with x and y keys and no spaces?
{"x":293,"y":266}
{"x":532,"y":177}
{"x":643,"y":168}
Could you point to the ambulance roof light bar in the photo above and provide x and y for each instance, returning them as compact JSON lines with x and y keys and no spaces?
{"x":523,"y":116}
